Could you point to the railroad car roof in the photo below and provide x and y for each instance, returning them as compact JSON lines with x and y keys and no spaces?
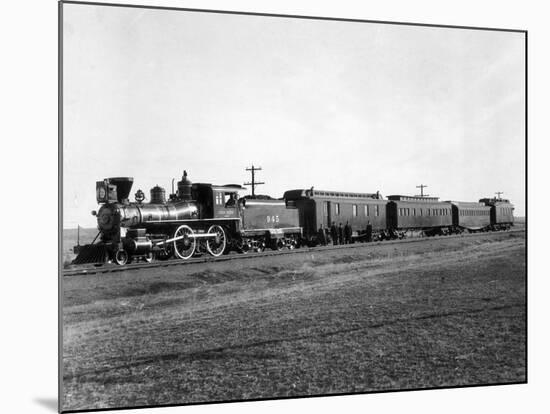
{"x":468,"y":204}
{"x":494,"y":201}
{"x":413,"y":198}
{"x":310,"y":193}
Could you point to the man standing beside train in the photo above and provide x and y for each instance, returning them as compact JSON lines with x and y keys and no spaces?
{"x":340,"y":234}
{"x":334,"y":233}
{"x":369,"y":232}
{"x":321,"y":236}
{"x":347,"y":233}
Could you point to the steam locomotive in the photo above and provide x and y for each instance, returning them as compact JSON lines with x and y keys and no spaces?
{"x":197,"y":218}
{"x":206,"y":218}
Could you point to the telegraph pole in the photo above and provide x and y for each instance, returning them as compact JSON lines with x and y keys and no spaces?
{"x":422,"y":187}
{"x":498,"y":194}
{"x":253,"y":183}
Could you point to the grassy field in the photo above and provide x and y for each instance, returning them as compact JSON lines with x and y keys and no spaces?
{"x":384,"y":317}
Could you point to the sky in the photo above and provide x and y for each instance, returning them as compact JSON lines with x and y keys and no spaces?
{"x":359,"y":107}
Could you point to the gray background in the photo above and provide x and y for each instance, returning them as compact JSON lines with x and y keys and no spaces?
{"x":338,"y":105}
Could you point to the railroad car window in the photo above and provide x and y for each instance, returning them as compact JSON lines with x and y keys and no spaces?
{"x":414,"y":211}
{"x":354,"y":210}
{"x":366,"y":210}
{"x":376,"y":210}
{"x":325,"y":207}
{"x":337,"y":209}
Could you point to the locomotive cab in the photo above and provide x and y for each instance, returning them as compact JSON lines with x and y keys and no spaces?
{"x":217,"y":202}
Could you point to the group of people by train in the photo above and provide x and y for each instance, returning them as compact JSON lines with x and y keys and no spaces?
{"x":341,"y":234}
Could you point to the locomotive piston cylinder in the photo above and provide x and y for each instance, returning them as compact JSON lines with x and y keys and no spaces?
{"x":138,"y":246}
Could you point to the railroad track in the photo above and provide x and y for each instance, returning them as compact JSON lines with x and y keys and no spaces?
{"x":113,"y":268}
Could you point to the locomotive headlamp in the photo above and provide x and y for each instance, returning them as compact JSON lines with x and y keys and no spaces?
{"x":101,"y":191}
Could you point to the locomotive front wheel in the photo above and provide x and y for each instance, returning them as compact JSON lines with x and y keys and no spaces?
{"x":216,"y":245}
{"x":185,"y":246}
{"x":121,"y":257}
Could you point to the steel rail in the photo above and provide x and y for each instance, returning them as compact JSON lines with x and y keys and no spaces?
{"x":113,"y":268}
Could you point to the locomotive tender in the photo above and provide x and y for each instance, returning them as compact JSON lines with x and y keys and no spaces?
{"x":200,"y":217}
